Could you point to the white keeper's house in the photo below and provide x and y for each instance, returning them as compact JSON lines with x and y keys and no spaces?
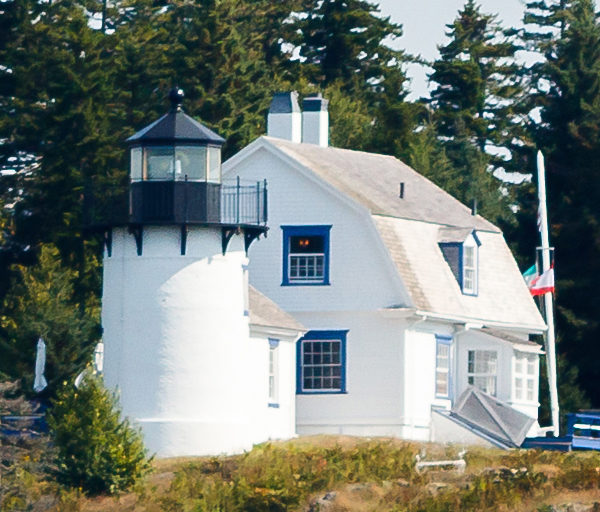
{"x":418,"y":319}
{"x":377,"y":304}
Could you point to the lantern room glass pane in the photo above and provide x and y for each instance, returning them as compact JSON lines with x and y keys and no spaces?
{"x":190,"y":161}
{"x":214,"y":165}
{"x":159,"y":163}
{"x":136,"y":164}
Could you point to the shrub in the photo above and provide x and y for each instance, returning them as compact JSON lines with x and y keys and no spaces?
{"x":97,"y":451}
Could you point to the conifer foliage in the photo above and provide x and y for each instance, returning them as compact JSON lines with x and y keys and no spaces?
{"x":476,"y":105}
{"x":566,"y":89}
{"x":97,"y":450}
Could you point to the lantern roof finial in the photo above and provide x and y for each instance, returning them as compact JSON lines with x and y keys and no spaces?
{"x":176,"y":127}
{"x":176,"y":96}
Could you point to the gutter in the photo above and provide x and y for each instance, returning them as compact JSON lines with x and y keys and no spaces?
{"x":472,"y":322}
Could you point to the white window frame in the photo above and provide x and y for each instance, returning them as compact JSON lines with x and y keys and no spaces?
{"x":303,"y":261}
{"x":273,"y":370}
{"x":470,"y":266}
{"x":443,"y":373}
{"x":482,"y":370}
{"x":525,"y":377}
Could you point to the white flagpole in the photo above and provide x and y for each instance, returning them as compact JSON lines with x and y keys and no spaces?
{"x":549,"y":338}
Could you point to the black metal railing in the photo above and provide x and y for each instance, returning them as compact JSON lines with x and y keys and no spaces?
{"x":241,"y":202}
{"x":244,"y":203}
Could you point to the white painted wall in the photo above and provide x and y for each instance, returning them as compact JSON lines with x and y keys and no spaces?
{"x":372,"y":404}
{"x":177,"y":342}
{"x":270,"y":422}
{"x":471,"y":340}
{"x":361,"y":274}
{"x":390,"y":373}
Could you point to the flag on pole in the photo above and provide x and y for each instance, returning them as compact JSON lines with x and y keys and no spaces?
{"x":543,"y":284}
{"x":529,"y":275}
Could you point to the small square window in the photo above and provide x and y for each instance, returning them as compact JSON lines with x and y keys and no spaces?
{"x":305,"y":255}
{"x":321,"y":362}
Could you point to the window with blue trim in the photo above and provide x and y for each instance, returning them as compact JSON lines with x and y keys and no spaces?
{"x":321,"y":359}
{"x":443,"y":366}
{"x":463,"y":259}
{"x":305,"y":255}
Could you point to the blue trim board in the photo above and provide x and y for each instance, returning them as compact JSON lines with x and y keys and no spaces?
{"x":443,"y":339}
{"x":322,"y":335}
{"x":273,"y":405}
{"x":273,"y":342}
{"x":289,"y":231}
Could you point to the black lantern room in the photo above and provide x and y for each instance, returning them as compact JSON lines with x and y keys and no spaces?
{"x":175,"y":170}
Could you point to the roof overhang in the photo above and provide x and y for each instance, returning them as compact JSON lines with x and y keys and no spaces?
{"x":463,"y":322}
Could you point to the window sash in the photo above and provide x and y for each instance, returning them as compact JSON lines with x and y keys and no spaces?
{"x":321,"y":365}
{"x":525,"y":376}
{"x":442,"y":369}
{"x":482,"y":369}
{"x":306,"y":267}
{"x":273,"y":367}
{"x":469,"y":272}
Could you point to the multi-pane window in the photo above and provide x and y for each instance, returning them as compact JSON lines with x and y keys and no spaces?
{"x":442,"y":367}
{"x":482,"y":370}
{"x":180,"y":163}
{"x":525,"y":375}
{"x":306,"y":255}
{"x":322,"y":362}
{"x":273,"y":370}
{"x":307,"y":258}
{"x":469,"y":269}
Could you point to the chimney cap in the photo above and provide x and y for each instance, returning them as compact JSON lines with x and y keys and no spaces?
{"x":315,"y":103}
{"x":284,"y":103}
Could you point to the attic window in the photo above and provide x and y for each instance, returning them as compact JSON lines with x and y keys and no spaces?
{"x":460,"y":249}
{"x":306,"y":255}
{"x":469,"y":269}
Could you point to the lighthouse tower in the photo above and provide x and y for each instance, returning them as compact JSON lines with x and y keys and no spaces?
{"x":174,"y":311}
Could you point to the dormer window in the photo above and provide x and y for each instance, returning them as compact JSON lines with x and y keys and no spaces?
{"x":460,"y":248}
{"x":469,"y":268}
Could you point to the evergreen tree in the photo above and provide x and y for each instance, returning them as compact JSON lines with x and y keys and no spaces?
{"x":344,"y":39}
{"x":41,"y":302}
{"x":98,"y":451}
{"x":567,"y":92}
{"x":477,"y":106}
{"x":427,"y":155}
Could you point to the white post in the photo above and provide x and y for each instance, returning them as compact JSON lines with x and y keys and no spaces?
{"x":550,"y":341}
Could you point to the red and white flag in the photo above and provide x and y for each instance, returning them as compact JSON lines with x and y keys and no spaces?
{"x":543,"y":284}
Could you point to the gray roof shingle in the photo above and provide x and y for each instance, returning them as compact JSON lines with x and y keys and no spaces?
{"x":412,"y":228}
{"x":374,"y":181}
{"x":265,"y":312}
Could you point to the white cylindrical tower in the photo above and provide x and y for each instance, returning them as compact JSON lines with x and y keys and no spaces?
{"x":174,"y":315}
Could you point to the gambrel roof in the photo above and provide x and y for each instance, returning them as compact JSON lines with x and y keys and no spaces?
{"x":412,"y":227}
{"x":374,"y":181}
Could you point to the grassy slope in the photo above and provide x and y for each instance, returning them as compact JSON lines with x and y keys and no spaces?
{"x":364,"y":475}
